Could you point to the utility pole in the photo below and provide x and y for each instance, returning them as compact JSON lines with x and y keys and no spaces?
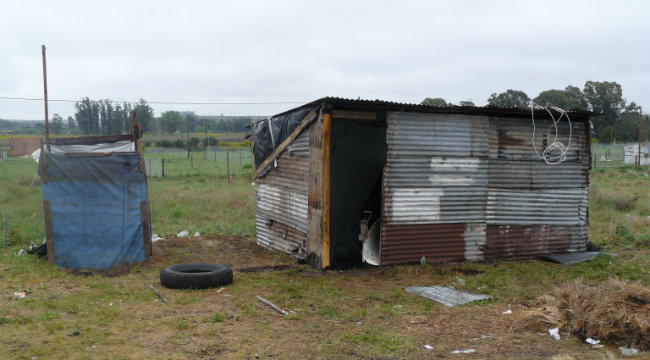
{"x":47,"y":130}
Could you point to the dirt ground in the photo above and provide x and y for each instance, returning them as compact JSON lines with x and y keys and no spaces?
{"x":352,"y":314}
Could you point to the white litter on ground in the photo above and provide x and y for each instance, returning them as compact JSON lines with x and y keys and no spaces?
{"x":555,"y":333}
{"x":428,"y":347}
{"x":197,"y":234}
{"x":183,"y":233}
{"x":468,"y":351}
{"x":155,"y":238}
{"x":628,"y":351}
{"x":507,"y":312}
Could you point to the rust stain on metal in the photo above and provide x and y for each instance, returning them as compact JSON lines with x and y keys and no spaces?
{"x":515,"y":242}
{"x":407,"y":243}
{"x":144,"y":209}
{"x":48,"y":231}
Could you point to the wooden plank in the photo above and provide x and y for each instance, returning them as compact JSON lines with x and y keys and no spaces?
{"x":89,"y":139}
{"x":325,"y":162}
{"x":144,"y":209}
{"x":360,"y":115}
{"x":285,"y":143}
{"x":49,"y":242}
{"x":315,"y":194}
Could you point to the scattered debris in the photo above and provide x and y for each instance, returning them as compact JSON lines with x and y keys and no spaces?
{"x":468,"y":351}
{"x":272,"y":305}
{"x":615,"y":311}
{"x":507,"y":312}
{"x":428,"y":347}
{"x":220,"y":290}
{"x":20,"y":294}
{"x":183,"y":233}
{"x":461,"y":281}
{"x":555,"y":333}
{"x":155,"y":238}
{"x":628,"y":351}
{"x":359,"y":323}
{"x":571,"y":258}
{"x":22,"y":252}
{"x":446,"y":296}
{"x":482,"y":337}
{"x":594,"y":343}
{"x":197,"y":234}
{"x":75,"y":333}
{"x":159,"y":294}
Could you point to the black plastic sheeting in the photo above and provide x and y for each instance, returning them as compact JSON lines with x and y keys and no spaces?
{"x":281,"y":126}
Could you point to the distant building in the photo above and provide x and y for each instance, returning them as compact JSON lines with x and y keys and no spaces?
{"x":24,"y":146}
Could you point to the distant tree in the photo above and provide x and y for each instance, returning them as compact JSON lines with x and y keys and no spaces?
{"x":56,"y":124}
{"x":607,"y":98}
{"x":194,"y":142}
{"x":607,"y":135}
{"x":434,"y":102}
{"x":170,"y":121}
{"x":72,"y":126}
{"x":571,"y":98}
{"x":144,"y":115}
{"x":508,"y":99}
{"x":466,"y":103}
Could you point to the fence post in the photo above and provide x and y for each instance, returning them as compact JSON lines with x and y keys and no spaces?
{"x":4,"y":242}
{"x":228,"y":166}
{"x":163,"y":167}
{"x":192,"y":161}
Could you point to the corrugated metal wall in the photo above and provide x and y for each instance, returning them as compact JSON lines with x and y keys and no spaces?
{"x":281,"y":201}
{"x":470,"y":187}
{"x":435,"y":186}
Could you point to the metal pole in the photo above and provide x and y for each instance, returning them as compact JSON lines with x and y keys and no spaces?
{"x":47,"y":129}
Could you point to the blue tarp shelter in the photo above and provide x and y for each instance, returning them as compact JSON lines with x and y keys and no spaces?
{"x":95,"y":203}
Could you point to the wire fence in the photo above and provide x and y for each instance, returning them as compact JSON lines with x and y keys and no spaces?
{"x":230,"y":163}
{"x":614,"y":155}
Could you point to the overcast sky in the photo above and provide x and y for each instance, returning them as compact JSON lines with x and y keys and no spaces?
{"x":262,"y":51}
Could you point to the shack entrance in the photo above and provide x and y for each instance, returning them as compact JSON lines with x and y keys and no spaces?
{"x":358,"y":156}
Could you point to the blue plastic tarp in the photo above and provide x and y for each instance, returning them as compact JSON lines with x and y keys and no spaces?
{"x":99,"y":209}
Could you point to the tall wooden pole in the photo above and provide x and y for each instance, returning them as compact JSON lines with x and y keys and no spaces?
{"x":47,"y":129}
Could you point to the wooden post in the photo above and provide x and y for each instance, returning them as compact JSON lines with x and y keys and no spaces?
{"x":639,"y":137}
{"x":228,"y":166}
{"x":163,"y":167}
{"x":325,"y":219}
{"x":47,"y":128}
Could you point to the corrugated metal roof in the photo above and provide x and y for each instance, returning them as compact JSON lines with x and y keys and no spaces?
{"x":362,"y":104}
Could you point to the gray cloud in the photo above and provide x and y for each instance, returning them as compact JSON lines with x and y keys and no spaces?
{"x":299,"y":51}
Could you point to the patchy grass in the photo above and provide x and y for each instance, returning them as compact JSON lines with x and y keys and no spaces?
{"x":356,"y":313}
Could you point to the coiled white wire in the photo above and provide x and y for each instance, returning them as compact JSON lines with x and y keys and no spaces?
{"x":555,"y":159}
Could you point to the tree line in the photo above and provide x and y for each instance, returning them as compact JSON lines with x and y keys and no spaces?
{"x":105,"y":117}
{"x":619,"y":120}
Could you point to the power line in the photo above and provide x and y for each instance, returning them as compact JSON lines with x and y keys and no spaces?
{"x":167,"y":102}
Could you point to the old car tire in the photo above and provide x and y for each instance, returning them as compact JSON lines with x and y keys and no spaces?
{"x":195,"y":276}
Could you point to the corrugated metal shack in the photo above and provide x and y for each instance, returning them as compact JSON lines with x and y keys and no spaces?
{"x":342,"y":181}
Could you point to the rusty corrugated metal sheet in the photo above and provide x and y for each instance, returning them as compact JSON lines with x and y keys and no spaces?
{"x":512,"y":174}
{"x":407,"y":243}
{"x":281,"y":203}
{"x":514,"y":242}
{"x":512,"y":139}
{"x":435,"y":188}
{"x":537,"y":207}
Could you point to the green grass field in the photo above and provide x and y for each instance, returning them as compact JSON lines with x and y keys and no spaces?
{"x":357,"y":313}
